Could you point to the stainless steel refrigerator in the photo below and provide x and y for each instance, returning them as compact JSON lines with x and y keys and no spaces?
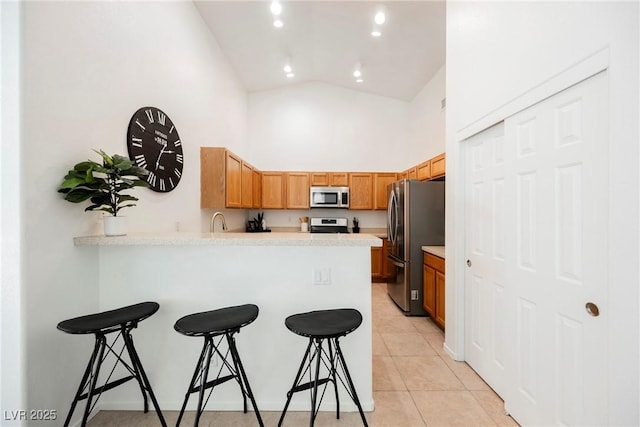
{"x":415,"y":218}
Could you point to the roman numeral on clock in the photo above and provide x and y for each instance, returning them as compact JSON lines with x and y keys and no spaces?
{"x":151,"y":179}
{"x":149,"y":114}
{"x":179,"y":158}
{"x":162,"y":188}
{"x":177,"y":172}
{"x":177,"y":143}
{"x":141,"y":161}
{"x":140,"y":124}
{"x":171,"y":182}
{"x":137,"y":142}
{"x":161,"y":118}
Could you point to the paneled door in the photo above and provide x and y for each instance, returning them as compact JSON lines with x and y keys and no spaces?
{"x":536,"y":241}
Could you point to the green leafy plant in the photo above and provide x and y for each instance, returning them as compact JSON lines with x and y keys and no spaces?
{"x":103,"y":184}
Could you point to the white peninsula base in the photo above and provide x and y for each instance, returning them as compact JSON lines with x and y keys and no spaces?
{"x":187,"y":273}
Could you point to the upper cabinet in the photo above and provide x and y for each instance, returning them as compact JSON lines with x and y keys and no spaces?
{"x":220,"y":178}
{"x":273,"y":185}
{"x":361,"y":190}
{"x":247,"y":186}
{"x":297,"y":190}
{"x":424,"y":170}
{"x":438,"y":166}
{"x":380,"y":182}
{"x":329,"y":179}
{"x":257,"y":188}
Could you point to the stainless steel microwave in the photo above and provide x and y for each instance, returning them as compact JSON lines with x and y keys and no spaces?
{"x":329,"y":197}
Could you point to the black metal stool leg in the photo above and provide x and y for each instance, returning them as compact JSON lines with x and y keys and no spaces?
{"x":192,"y":384}
{"x":243,"y":378}
{"x":295,"y":382}
{"x":141,"y":376}
{"x":354,"y":394}
{"x":314,"y":392}
{"x":203,"y":379}
{"x":83,"y":381}
{"x":332,"y":359}
{"x":94,"y":379}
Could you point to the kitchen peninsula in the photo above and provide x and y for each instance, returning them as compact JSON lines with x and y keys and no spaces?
{"x":282,"y":273}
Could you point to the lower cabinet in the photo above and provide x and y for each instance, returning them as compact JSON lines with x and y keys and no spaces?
{"x":433,"y":288}
{"x":381,"y":269}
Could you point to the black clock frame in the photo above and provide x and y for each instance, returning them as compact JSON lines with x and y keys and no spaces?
{"x":153,"y":143}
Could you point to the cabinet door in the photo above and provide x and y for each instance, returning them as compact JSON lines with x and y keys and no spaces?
{"x":233,"y":180}
{"x":424,"y":170}
{"x":440,"y":299}
{"x":361,"y":191}
{"x":438,"y":166}
{"x":247,"y":185}
{"x":273,"y":190}
{"x":319,"y":178}
{"x":412,"y":173}
{"x":376,"y":263}
{"x":381,"y":180}
{"x":338,"y":179}
{"x":212,"y":178}
{"x":257,"y":189}
{"x":429,"y":290}
{"x":297,"y":190}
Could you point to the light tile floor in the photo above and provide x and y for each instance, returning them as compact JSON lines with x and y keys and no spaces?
{"x":415,"y":384}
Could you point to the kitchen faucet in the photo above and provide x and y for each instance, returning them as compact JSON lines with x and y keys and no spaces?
{"x":213,"y":221}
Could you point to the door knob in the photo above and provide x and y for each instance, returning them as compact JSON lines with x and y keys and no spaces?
{"x":469,"y":263}
{"x":592,"y":309}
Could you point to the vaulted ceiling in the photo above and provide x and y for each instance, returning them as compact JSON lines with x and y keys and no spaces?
{"x":325,"y":40}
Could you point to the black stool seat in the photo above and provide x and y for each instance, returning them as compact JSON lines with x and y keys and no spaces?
{"x":324,"y":323}
{"x":109,"y":319}
{"x":217,"y":322}
{"x":121,"y":320}
{"x":216,"y":327}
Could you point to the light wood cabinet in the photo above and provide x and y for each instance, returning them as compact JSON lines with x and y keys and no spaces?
{"x":257,"y":189}
{"x":433,"y":288}
{"x":297,"y":190}
{"x":221,"y":178}
{"x":247,"y":185}
{"x":412,"y":173}
{"x":380,"y":182}
{"x":438,"y":166}
{"x":360,"y":191}
{"x":381,"y":268}
{"x":329,"y":179}
{"x":424,"y":170}
{"x":273,"y":190}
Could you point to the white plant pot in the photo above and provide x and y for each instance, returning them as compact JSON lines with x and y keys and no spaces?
{"x":115,"y":225}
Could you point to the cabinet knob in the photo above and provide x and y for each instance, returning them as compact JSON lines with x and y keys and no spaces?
{"x":469,"y":263}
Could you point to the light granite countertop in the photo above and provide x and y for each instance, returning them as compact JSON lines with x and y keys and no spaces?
{"x":434,"y":250}
{"x":231,"y":239}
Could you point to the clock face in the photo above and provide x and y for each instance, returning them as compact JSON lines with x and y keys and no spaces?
{"x":154,"y":144}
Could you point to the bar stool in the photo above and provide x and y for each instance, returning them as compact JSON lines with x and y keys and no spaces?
{"x":321,"y":326}
{"x":222,"y":323}
{"x":122,"y":320}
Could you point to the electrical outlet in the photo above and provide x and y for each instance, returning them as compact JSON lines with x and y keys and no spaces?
{"x":321,"y":276}
{"x":414,"y":295}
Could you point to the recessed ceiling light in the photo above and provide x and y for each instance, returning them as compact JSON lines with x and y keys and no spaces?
{"x":380,"y":18}
{"x":357,"y":73}
{"x":278,"y":23}
{"x":359,"y":80}
{"x":290,"y":75}
{"x":276,"y":7}
{"x":376,"y":33}
{"x":287,"y":68}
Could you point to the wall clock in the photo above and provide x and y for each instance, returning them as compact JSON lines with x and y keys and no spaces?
{"x":154,"y":144}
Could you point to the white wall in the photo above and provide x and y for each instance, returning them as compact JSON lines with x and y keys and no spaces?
{"x":88,"y":66}
{"x":498,"y":51}
{"x":427,"y":121}
{"x":12,"y":367}
{"x":321,"y":127}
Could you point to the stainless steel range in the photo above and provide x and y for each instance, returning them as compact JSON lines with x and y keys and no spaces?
{"x":328,"y":225}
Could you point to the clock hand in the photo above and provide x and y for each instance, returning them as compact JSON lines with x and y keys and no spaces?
{"x":160,"y":155}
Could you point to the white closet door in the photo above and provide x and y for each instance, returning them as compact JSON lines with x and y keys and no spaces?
{"x":552,"y":229}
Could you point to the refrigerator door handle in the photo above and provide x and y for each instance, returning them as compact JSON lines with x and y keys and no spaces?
{"x":392,"y":217}
{"x":393,"y":260}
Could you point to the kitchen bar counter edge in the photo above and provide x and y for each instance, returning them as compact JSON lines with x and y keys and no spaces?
{"x":230,"y":239}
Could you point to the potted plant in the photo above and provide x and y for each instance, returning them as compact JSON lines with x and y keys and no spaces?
{"x":103,"y":185}
{"x":356,"y":226}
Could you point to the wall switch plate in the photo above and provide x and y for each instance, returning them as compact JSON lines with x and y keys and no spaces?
{"x":414,"y":295}
{"x":321,"y":276}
